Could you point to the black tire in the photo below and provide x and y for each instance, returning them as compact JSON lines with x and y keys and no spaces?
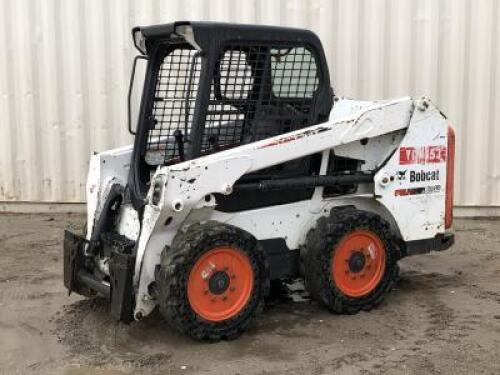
{"x":321,"y":245}
{"x":176,"y":264}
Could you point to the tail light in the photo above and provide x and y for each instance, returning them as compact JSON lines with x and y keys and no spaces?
{"x":450,"y":177}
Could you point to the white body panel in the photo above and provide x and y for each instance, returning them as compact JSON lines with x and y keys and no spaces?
{"x":185,"y":187}
{"x":105,"y":169}
{"x":415,"y":194}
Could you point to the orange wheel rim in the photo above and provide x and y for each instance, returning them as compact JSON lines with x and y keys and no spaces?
{"x":220,"y":283}
{"x":359,"y":263}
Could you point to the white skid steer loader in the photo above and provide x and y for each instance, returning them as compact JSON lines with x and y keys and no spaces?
{"x":246,"y":169}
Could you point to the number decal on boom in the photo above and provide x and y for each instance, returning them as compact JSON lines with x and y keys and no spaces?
{"x":422,"y":155}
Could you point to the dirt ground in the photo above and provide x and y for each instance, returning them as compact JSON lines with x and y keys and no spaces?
{"x":442,"y":318}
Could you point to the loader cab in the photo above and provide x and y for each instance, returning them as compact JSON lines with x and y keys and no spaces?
{"x":214,"y":86}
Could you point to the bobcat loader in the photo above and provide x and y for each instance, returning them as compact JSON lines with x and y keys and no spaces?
{"x":246,"y":169}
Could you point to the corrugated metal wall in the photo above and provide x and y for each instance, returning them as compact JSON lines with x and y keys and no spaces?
{"x":65,"y":64}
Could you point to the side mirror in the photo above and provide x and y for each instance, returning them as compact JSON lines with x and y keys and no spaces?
{"x":130,"y":89}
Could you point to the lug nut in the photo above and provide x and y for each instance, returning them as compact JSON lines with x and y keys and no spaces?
{"x":232,"y":289}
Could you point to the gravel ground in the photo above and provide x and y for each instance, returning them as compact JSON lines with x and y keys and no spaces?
{"x":442,"y":318}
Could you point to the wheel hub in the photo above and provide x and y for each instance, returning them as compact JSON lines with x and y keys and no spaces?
{"x":218,"y":282}
{"x":357,"y":262}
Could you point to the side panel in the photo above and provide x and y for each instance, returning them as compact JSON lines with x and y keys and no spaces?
{"x":105,"y":168}
{"x":292,"y":221}
{"x":412,"y":183}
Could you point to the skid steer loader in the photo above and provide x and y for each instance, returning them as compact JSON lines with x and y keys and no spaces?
{"x":246,"y":169}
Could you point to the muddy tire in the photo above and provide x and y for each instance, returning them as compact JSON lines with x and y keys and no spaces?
{"x":212,"y":281}
{"x":350,"y":260}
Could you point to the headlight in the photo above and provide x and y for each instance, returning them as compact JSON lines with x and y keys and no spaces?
{"x":157,"y":191}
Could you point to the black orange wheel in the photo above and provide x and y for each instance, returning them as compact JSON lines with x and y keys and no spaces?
{"x":350,"y":260}
{"x":359,"y":263}
{"x":220,"y":283}
{"x":212,"y":281}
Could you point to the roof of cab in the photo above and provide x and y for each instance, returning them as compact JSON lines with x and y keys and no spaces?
{"x":206,"y":33}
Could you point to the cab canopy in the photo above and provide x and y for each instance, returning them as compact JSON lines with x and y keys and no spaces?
{"x":213,"y":86}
